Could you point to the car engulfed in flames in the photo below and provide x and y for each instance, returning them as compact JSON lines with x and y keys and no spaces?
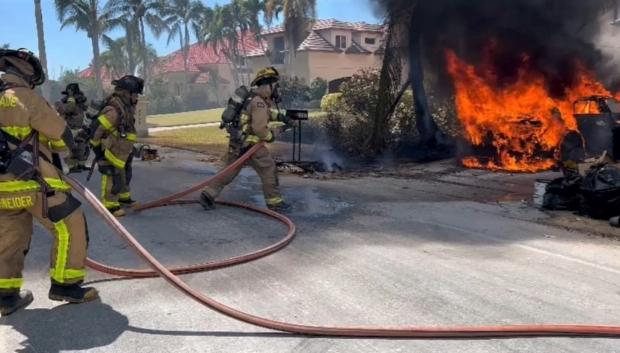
{"x":519,"y":126}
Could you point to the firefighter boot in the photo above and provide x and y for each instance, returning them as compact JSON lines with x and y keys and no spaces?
{"x":72,"y":293}
{"x":117,"y":212}
{"x":11,"y":302}
{"x":127,"y":202}
{"x":207,"y":202}
{"x":75,"y":169}
{"x":281,"y":207}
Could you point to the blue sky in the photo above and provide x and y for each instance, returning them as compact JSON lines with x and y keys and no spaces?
{"x":68,"y":49}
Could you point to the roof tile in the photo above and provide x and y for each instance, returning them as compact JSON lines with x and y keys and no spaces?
{"x":316,"y":42}
{"x":333,"y":24}
{"x":355,"y":48}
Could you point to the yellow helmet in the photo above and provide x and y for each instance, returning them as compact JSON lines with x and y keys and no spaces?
{"x":268,"y":73}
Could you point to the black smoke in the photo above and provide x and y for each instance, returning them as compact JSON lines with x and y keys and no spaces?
{"x":555,"y":34}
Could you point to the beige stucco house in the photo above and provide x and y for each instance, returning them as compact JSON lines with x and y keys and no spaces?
{"x":332,"y":49}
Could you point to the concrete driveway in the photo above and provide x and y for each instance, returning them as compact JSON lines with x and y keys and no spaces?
{"x":442,"y":247}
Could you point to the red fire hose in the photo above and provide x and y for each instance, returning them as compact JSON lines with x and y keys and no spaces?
{"x":379,"y":332}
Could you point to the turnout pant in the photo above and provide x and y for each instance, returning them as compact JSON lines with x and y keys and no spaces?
{"x":65,"y":221}
{"x":79,"y":154}
{"x":115,"y":183}
{"x":265,"y":167}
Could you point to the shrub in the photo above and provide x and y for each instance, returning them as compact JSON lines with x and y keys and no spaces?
{"x":404,"y":123}
{"x":332,"y":103}
{"x":318,"y":88}
{"x":294,"y":92}
{"x":350,"y":120}
{"x":161,"y":101}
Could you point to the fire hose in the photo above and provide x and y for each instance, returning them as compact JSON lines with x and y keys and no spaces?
{"x":170,"y":275}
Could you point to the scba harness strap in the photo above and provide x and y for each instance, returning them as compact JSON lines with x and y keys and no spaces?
{"x":23,"y":162}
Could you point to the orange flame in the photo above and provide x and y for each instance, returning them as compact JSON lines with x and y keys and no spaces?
{"x":521,"y":121}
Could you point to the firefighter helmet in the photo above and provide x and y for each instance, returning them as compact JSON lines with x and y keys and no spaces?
{"x":73,"y":87}
{"x":266,"y":76}
{"x":129,"y":83}
{"x":25,"y":62}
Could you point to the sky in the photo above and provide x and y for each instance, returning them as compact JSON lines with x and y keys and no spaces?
{"x":70,"y":50}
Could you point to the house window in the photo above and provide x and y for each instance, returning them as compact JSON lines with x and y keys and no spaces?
{"x":278,"y":46}
{"x":370,"y":41}
{"x":341,"y":42}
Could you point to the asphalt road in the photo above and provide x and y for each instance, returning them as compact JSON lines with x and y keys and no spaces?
{"x":445,"y":247}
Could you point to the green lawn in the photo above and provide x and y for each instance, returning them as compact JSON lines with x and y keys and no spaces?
{"x":208,"y":139}
{"x":196,"y":117}
{"x":185,"y":118}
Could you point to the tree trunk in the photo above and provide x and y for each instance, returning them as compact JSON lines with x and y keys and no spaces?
{"x":234,"y":70}
{"x":186,"y":57}
{"x":144,"y":52}
{"x":42,"y":52}
{"x":95,"y":43}
{"x":215,"y":76}
{"x":425,"y":123}
{"x":290,"y":54}
{"x":94,"y":35}
{"x":130,"y":35}
{"x":245,"y":74}
{"x":389,"y":80}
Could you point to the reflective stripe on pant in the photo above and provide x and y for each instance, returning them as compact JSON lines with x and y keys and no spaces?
{"x":108,"y":197}
{"x":265,"y":167}
{"x":15,"y":234}
{"x":69,"y":249}
{"x":115,"y":183}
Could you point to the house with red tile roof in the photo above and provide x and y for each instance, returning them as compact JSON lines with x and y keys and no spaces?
{"x":212,"y":76}
{"x":332,"y":49}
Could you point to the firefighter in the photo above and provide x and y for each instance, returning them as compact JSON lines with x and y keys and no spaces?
{"x":113,"y":137}
{"x":255,"y":127}
{"x":31,"y":187}
{"x":72,"y":107}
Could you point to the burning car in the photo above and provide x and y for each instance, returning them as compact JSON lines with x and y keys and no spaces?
{"x":598,"y":121}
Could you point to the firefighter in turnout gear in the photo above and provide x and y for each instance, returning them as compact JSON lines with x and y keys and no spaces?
{"x":72,"y":107}
{"x":113,"y":138}
{"x":256,"y":120}
{"x":31,"y":187}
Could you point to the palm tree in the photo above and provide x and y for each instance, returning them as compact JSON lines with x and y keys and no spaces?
{"x":252,"y":10}
{"x":89,"y":16}
{"x":179,"y":16}
{"x":219,"y":28}
{"x":298,"y":15}
{"x":132,"y":14}
{"x":38,"y":14}
{"x":116,"y":59}
{"x":131,"y":28}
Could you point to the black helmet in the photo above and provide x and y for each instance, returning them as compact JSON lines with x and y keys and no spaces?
{"x":129,"y":83}
{"x":74,"y":87}
{"x":17,"y":58}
